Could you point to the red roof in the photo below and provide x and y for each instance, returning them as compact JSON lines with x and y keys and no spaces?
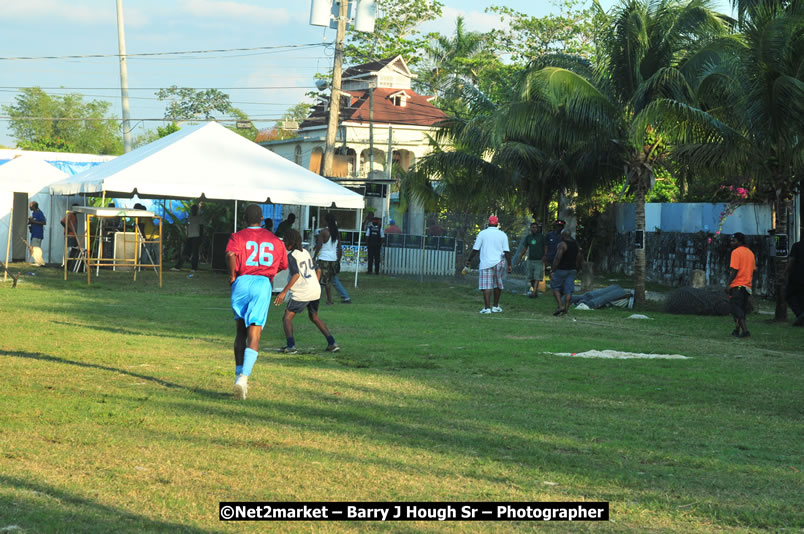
{"x":418,"y":111}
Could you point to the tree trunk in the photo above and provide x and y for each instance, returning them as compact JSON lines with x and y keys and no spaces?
{"x":782,"y":208}
{"x":639,"y":253}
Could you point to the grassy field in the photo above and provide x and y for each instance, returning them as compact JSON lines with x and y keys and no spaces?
{"x":116,"y":412}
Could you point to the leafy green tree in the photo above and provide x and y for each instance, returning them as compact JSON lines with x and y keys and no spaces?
{"x":186,"y":104}
{"x":297,"y":114}
{"x":63,"y":123}
{"x":461,"y":68}
{"x":571,"y":32}
{"x":394,"y":33}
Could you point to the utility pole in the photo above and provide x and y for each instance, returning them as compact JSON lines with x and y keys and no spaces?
{"x":335,"y":95}
{"x":121,"y":39}
{"x":371,"y":130}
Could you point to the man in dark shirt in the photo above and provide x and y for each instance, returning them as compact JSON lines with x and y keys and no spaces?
{"x":552,"y":239}
{"x":285,"y":225}
{"x":37,"y":222}
{"x":536,"y":250}
{"x":374,"y":238}
{"x":795,"y":283}
{"x":565,"y":265}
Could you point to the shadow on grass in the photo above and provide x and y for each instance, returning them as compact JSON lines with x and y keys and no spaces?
{"x":127,"y":332}
{"x":38,"y":507}
{"x":159,"y":381}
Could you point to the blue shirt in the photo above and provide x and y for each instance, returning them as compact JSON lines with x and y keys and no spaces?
{"x":38,"y":230}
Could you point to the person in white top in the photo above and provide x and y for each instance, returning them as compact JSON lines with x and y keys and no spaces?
{"x":305,"y":292}
{"x":495,"y":254}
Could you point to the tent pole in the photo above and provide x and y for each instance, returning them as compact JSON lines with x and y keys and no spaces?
{"x":100,"y":236}
{"x":8,"y":241}
{"x":359,"y":236}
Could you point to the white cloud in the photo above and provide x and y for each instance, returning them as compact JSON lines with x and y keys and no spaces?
{"x":223,"y":9}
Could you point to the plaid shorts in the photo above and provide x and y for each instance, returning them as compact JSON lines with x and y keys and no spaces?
{"x":492,"y":277}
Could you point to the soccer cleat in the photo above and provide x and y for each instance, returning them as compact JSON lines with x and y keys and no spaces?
{"x":496,"y":309}
{"x":799,"y":320}
{"x":241,"y":387}
{"x":745,"y":334}
{"x":485,"y":310}
{"x":288,"y":350}
{"x":736,"y":332}
{"x":333,"y":348}
{"x":347,"y":301}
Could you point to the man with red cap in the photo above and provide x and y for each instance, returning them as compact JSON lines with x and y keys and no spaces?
{"x":495,"y":254}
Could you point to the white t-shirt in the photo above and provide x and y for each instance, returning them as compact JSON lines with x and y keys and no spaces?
{"x":329,"y":250}
{"x":306,"y":288}
{"x":492,"y":244}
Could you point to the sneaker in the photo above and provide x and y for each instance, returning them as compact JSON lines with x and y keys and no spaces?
{"x":288,"y":350}
{"x":745,"y":334}
{"x":485,"y":310}
{"x":496,"y":309}
{"x":333,"y":348}
{"x":558,"y":312}
{"x":347,"y":301}
{"x":736,"y":332}
{"x":241,"y":387}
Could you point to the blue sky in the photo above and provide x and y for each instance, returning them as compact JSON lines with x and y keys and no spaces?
{"x":263,"y":83}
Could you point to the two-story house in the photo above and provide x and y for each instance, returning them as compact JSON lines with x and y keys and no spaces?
{"x":383,"y":128}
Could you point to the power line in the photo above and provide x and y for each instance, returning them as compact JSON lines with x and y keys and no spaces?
{"x":151,"y":54}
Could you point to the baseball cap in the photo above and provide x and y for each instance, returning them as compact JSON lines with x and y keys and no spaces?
{"x":493,"y":219}
{"x":561,"y":222}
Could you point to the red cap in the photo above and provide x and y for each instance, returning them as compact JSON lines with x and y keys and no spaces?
{"x":493,"y":219}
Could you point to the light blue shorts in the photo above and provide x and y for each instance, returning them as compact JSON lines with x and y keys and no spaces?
{"x":251,"y":297}
{"x":563,"y":281}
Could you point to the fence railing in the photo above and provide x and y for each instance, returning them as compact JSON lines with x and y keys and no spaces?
{"x":408,"y":254}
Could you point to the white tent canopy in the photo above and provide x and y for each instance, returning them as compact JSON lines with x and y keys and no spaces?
{"x":212,"y":162}
{"x":29,"y":177}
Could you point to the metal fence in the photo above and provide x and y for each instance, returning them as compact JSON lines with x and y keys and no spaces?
{"x":408,"y":254}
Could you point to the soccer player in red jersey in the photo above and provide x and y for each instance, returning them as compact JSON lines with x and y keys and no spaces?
{"x":254,"y":256}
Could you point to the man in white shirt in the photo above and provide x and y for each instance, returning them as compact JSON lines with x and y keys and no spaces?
{"x":495,"y":254}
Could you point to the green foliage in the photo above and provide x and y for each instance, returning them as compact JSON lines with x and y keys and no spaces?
{"x":185,"y":103}
{"x":394,"y":33}
{"x":463,"y":72}
{"x":297,"y":113}
{"x":63,"y":123}
{"x":527,"y":37}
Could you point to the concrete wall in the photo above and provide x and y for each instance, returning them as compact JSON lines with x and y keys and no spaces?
{"x":672,"y":256}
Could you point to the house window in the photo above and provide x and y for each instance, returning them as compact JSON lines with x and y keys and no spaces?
{"x":297,"y":155}
{"x":399,"y":100}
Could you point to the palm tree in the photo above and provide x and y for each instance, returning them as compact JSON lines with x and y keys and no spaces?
{"x":749,"y":117}
{"x":600,"y":114}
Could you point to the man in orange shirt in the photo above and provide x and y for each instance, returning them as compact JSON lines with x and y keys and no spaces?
{"x":741,"y":275}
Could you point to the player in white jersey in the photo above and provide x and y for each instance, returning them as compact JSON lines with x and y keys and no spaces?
{"x":305,"y":292}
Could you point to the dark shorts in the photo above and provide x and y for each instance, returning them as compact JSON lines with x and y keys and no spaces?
{"x":738,"y":302}
{"x":328,"y":271}
{"x":297,"y":306}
